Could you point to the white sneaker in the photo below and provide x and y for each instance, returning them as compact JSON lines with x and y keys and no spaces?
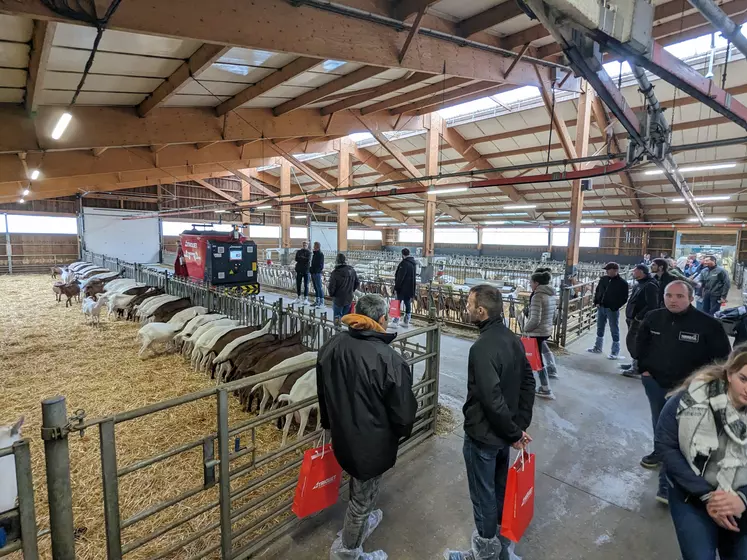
{"x":305,"y":301}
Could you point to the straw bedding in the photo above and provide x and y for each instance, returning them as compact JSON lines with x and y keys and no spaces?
{"x":48,"y":350}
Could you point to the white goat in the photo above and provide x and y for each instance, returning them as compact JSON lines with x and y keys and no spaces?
{"x":118,"y":302}
{"x":221,"y":358}
{"x":192,"y":325}
{"x":271,"y":387}
{"x":304,"y":388}
{"x":120,"y":285}
{"x":8,"y":487}
{"x":92,"y":309}
{"x":67,"y":276}
{"x":185,"y":315}
{"x":203,"y":334}
{"x":147,"y":308}
{"x":153,"y":333}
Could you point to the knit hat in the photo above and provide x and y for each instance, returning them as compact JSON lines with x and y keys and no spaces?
{"x":643,"y":268}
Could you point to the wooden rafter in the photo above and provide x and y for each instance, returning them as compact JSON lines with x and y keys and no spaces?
{"x":560,"y":127}
{"x":412,"y":33}
{"x":200,"y":61}
{"x":216,"y":190}
{"x":437,"y":102}
{"x":332,"y":87}
{"x":433,"y":89}
{"x":484,"y":88}
{"x":252,"y":179}
{"x":41,"y":42}
{"x":404,"y":8}
{"x":489,"y":18}
{"x":287,"y":72}
{"x":372,"y":93}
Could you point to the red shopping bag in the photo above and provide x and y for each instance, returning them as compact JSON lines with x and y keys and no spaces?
{"x":318,"y":482}
{"x":394,"y":312}
{"x":518,"y":504}
{"x":532,"y":351}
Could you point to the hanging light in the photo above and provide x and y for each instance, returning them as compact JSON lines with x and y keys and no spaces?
{"x":334,"y":201}
{"x":26,"y":192}
{"x":416,"y":211}
{"x":444,"y":191}
{"x":21,"y":201}
{"x":35,"y":174}
{"x":264,"y":207}
{"x":61,"y":125}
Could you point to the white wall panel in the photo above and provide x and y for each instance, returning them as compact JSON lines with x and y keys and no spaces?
{"x":131,"y":240}
{"x":325,"y":233}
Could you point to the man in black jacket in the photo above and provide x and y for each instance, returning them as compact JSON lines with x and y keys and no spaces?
{"x":404,"y":285}
{"x":342,"y":285}
{"x":366,"y":400}
{"x":498,"y":410}
{"x":643,"y":298}
{"x":610,"y":295}
{"x":672,"y":343}
{"x":660,"y":269}
{"x":716,"y":285}
{"x":303,"y":260}
{"x":316,"y":268}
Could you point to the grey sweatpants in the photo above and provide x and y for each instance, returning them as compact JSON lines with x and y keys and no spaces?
{"x":363,"y":496}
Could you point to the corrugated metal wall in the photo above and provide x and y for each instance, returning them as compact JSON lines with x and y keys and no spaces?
{"x":37,"y":252}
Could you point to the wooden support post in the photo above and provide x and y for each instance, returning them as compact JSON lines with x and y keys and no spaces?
{"x":549,"y":240}
{"x":617,"y":240}
{"x":583,"y":126}
{"x":246,"y":194}
{"x":433,"y":124}
{"x":479,"y":239}
{"x":285,"y":211}
{"x":343,"y":181}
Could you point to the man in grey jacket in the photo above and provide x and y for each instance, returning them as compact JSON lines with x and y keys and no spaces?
{"x":715,"y":282}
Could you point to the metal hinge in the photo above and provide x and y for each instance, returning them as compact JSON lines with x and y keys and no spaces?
{"x":74,"y":424}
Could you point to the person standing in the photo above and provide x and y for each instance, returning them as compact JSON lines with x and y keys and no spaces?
{"x":703,"y":447}
{"x":643,"y":298}
{"x":316,"y":269}
{"x":342,"y":285}
{"x":660,"y":268}
{"x":672,"y":343}
{"x":405,"y":285}
{"x":303,"y":260}
{"x":609,"y":297}
{"x":541,"y":310}
{"x":497,"y":413}
{"x":716,"y":285}
{"x":366,"y":401}
{"x":646,"y":259}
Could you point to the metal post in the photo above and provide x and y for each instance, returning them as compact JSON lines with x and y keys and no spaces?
{"x":8,"y":246}
{"x":59,"y":492}
{"x":25,"y":483}
{"x":433,"y":345}
{"x":225,"y":481}
{"x":111,"y":489}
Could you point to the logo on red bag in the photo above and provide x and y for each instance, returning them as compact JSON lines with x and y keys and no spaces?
{"x":325,"y":482}
{"x":526,"y":498}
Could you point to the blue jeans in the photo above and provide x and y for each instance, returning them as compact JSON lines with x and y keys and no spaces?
{"x":711,"y":304}
{"x":302,"y":278}
{"x":487,"y":470}
{"x":316,"y":279}
{"x":408,"y":305}
{"x":339,"y":310}
{"x":657,"y":397}
{"x":604,"y":316}
{"x":698,"y":535}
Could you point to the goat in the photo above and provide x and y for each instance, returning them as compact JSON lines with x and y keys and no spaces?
{"x":224,"y":353}
{"x":132,"y":306}
{"x":117,"y":303}
{"x":70,"y":291}
{"x":204,"y":331}
{"x":8,"y":486}
{"x":185,"y":315}
{"x":302,"y":390}
{"x":191,"y":327}
{"x":271,"y":387}
{"x":144,"y":309}
{"x":56,"y":270}
{"x":92,"y":308}
{"x":225,"y":364}
{"x":202,"y":355}
{"x":164,"y":312}
{"x":153,"y":333}
{"x":67,"y":276}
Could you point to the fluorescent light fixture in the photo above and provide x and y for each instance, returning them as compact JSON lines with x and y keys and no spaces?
{"x":587,"y":221}
{"x":387,"y":219}
{"x":520,"y":206}
{"x":498,"y":223}
{"x":264,"y":207}
{"x":221,"y":211}
{"x":718,"y":219}
{"x":61,"y":125}
{"x":444,"y":191}
{"x":352,"y":213}
{"x":35,"y":174}
{"x":26,"y":192}
{"x":21,"y":201}
{"x":334,"y":201}
{"x":304,"y":217}
{"x":416,"y":211}
{"x":696,"y":168}
{"x":703,"y":198}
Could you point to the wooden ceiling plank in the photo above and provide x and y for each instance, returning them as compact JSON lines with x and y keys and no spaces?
{"x":440,"y":87}
{"x":201,"y":60}
{"x":453,"y":94}
{"x":372,"y":93}
{"x":489,"y":18}
{"x":216,"y":190}
{"x":41,"y":47}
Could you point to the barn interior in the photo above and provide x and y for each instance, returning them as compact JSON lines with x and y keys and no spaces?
{"x":488,"y":137}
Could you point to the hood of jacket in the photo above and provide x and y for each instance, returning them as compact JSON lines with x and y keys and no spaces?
{"x":545,"y":289}
{"x":362,"y":323}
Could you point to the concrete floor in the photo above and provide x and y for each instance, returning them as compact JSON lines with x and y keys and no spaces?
{"x":593,"y":500}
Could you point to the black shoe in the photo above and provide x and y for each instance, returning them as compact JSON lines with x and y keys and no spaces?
{"x":651,"y":461}
{"x":662,"y":496}
{"x":633,"y":374}
{"x":625,"y":366}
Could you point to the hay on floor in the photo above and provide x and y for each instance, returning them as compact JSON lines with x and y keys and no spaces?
{"x":48,"y":350}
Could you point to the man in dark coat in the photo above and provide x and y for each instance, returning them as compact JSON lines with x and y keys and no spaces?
{"x":673,"y":342}
{"x":404,"y":285}
{"x":366,"y":400}
{"x":716,"y":285}
{"x":342,"y":285}
{"x":644,"y":297}
{"x":303,"y":263}
{"x":610,"y":295}
{"x":497,"y":413}
{"x":316,"y":269}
